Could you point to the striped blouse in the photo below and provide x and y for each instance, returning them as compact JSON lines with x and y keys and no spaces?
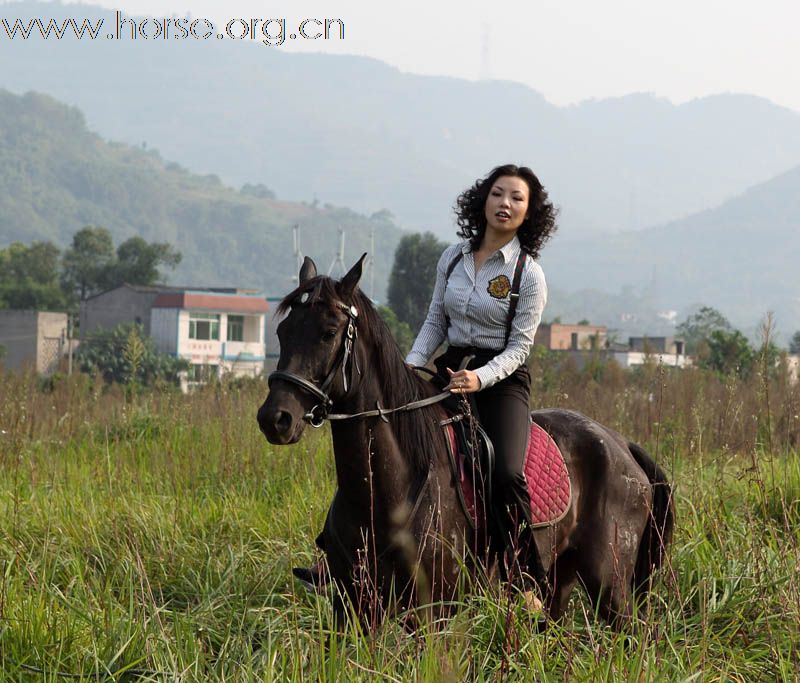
{"x":477,"y":307}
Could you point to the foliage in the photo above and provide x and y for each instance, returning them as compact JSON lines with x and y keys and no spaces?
{"x":138,"y":262}
{"x":696,"y":330}
{"x":29,"y":277}
{"x":413,"y":277}
{"x":729,"y":353}
{"x":126,"y":356}
{"x":87,"y":263}
{"x":794,"y":343}
{"x":400,"y":331}
{"x":91,"y":266}
{"x":258,"y":190}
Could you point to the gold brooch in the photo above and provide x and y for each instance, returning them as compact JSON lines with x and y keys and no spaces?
{"x":499,"y":287}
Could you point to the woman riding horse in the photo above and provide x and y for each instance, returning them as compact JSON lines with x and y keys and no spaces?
{"x":487,"y":303}
{"x":396,"y":531}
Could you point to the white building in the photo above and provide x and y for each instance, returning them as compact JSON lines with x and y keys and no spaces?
{"x":216,"y":333}
{"x":218,"y":330}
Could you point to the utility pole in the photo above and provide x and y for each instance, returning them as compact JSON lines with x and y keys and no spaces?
{"x":372,"y":263}
{"x":339,"y":260}
{"x":69,"y":343}
{"x":298,"y":255}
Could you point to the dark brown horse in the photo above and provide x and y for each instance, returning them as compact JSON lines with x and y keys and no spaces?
{"x":396,"y":532}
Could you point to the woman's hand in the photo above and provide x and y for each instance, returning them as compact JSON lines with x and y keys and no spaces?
{"x":463,"y":382}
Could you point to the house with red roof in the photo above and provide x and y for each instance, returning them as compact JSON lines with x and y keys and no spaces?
{"x":218,"y":330}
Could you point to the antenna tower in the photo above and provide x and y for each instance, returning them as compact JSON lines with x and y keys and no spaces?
{"x":298,"y":255}
{"x":339,"y":260}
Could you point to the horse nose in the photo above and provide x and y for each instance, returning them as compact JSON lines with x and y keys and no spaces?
{"x":274,"y":421}
{"x":282,"y":421}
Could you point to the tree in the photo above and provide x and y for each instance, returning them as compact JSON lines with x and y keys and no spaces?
{"x":413,"y":277}
{"x":259,"y":191}
{"x":88,"y":263}
{"x":125,"y":355}
{"x":138,"y":262}
{"x":729,"y":353}
{"x":400,"y":331}
{"x":29,"y":277}
{"x":794,"y":343}
{"x":697,"y":329}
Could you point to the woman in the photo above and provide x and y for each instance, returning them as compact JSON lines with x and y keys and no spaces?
{"x":504,"y":219}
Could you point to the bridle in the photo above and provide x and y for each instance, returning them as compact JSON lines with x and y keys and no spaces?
{"x":321,"y":411}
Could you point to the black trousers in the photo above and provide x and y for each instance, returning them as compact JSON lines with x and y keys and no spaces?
{"x":504,"y":413}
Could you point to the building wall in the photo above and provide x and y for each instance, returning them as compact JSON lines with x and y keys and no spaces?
{"x":112,"y":308}
{"x":245,"y":358}
{"x":51,"y":341}
{"x":629,"y":359}
{"x":793,"y":363}
{"x":670,"y":345}
{"x":271,"y":341}
{"x":35,"y":339}
{"x":18,"y":337}
{"x":559,"y":337}
{"x":164,"y":329}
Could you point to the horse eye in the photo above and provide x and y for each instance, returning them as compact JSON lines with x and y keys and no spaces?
{"x":329,"y":335}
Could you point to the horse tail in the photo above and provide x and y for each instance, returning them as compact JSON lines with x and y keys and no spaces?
{"x":660,"y":522}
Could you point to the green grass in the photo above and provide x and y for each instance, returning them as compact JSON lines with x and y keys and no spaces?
{"x":157,"y":532}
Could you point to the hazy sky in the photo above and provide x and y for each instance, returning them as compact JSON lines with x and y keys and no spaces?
{"x":568,"y":50}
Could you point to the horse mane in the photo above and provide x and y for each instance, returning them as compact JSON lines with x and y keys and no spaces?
{"x":417,"y":431}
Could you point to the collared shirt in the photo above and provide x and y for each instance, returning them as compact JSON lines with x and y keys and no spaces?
{"x":477,"y":308}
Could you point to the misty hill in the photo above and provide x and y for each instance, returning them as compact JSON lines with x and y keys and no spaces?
{"x":741,"y":257}
{"x":355,"y":132}
{"x":56,"y":177}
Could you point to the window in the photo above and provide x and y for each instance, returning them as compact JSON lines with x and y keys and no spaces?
{"x":236,"y":328}
{"x":204,"y":326}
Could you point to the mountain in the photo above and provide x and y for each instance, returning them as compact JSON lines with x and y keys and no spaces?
{"x":56,"y":177}
{"x":356,"y":132}
{"x":742,"y":257}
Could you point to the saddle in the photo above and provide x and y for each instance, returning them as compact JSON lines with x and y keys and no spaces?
{"x":472,"y":462}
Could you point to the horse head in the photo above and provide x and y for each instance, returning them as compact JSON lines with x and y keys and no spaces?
{"x":317,"y":353}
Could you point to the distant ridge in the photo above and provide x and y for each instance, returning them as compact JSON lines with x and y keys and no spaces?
{"x":742,"y":257}
{"x":356,"y":132}
{"x":56,"y":177}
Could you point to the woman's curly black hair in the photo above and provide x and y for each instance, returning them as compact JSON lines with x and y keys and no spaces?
{"x":537,"y":228}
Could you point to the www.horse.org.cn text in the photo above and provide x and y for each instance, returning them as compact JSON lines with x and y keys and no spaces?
{"x":271,"y":32}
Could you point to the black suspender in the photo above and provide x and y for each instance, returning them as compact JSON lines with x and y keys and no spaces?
{"x":513,"y":297}
{"x":452,"y":267}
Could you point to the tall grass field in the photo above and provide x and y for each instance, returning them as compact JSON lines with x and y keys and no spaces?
{"x":147,"y":535}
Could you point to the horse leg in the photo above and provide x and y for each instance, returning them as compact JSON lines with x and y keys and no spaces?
{"x":607,"y":573}
{"x":561,"y":581}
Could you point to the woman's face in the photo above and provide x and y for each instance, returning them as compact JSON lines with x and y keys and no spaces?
{"x":507,"y":204}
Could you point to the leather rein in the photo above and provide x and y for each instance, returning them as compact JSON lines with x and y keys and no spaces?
{"x":321,"y":411}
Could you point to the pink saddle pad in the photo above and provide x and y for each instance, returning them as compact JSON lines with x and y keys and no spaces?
{"x":546,"y":474}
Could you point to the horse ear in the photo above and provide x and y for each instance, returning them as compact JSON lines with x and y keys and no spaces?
{"x":307,"y":270}
{"x":348,"y":282}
